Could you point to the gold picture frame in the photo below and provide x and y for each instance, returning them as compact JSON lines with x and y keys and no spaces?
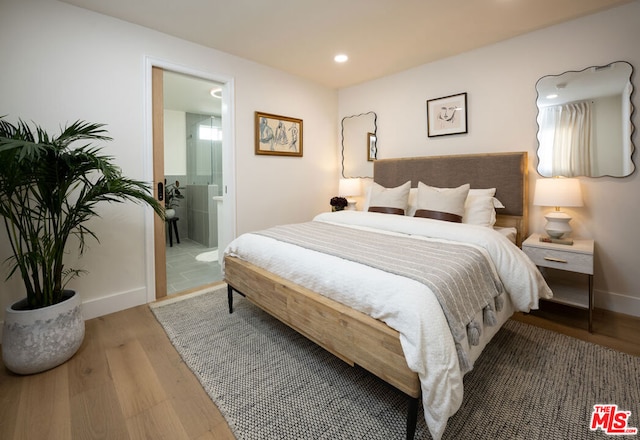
{"x":372,"y":147}
{"x":278,"y":135}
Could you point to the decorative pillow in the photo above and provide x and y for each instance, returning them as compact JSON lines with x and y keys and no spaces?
{"x":479,"y":210}
{"x":441,"y":203}
{"x":480,"y":207}
{"x":487,"y":192}
{"x":482,"y":192}
{"x":388,"y":200}
{"x":413,"y":202}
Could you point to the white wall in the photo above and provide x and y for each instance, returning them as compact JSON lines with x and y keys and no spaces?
{"x":500,"y":81}
{"x":175,"y":143}
{"x":61,"y":63}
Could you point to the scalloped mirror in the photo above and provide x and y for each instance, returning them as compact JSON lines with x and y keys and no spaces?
{"x":584,"y":122}
{"x":359,"y":144}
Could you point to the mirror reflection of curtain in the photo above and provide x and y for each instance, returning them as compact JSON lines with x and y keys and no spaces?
{"x":566,"y":137}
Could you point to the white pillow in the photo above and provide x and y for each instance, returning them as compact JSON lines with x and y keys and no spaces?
{"x":413,"y":202}
{"x":482,"y":192}
{"x":479,"y":210}
{"x":480,"y":207}
{"x":379,"y":197}
{"x":435,"y":200}
{"x":487,"y":192}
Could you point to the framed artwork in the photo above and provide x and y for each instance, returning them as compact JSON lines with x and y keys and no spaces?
{"x":372,"y":147}
{"x":278,"y":135}
{"x":447,"y":115}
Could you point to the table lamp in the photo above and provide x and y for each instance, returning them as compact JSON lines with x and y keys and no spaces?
{"x":349,"y":188}
{"x":558,"y":192}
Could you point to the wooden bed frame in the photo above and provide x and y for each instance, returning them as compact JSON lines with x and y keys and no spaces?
{"x":353,"y":336}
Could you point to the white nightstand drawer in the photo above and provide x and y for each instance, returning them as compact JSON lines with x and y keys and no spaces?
{"x":577,"y":258}
{"x":563,"y":260}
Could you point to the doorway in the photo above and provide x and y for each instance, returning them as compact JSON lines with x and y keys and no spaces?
{"x":191,"y":162}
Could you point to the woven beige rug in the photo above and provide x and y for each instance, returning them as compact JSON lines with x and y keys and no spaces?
{"x":272,"y":383}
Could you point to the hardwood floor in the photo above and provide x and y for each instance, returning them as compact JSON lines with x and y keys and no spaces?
{"x":610,"y":329}
{"x":128,"y":382}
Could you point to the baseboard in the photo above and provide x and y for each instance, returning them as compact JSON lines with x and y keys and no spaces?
{"x":625,"y":304}
{"x":113,"y":303}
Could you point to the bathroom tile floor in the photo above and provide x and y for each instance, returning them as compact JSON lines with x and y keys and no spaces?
{"x":185,"y":272}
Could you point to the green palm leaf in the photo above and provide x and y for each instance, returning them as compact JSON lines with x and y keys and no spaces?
{"x":48,"y":192}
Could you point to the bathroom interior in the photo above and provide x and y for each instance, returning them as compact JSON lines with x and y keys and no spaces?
{"x":193,"y":166}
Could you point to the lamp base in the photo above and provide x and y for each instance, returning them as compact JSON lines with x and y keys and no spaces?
{"x":557,"y":224}
{"x":351,"y":205}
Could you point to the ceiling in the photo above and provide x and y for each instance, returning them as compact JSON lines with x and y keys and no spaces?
{"x":381,"y":37}
{"x":189,"y":94}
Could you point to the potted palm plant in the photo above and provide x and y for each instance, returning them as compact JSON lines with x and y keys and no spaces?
{"x":48,"y":193}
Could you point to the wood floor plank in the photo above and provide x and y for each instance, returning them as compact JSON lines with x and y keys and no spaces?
{"x":119,"y":328}
{"x":219,"y":433}
{"x":89,"y":368}
{"x":134,"y":378}
{"x":97,"y":414}
{"x":159,"y":422}
{"x":43,"y":410}
{"x":198,"y":412}
{"x":10,"y":390}
{"x":211,"y":436}
{"x":610,"y":329}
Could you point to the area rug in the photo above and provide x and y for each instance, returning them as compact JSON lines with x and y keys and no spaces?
{"x":271,"y":383}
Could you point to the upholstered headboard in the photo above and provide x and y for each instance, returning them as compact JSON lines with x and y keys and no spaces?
{"x":507,"y":172}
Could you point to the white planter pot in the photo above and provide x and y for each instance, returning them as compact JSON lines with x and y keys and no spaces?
{"x":38,"y":340}
{"x":169,"y":213}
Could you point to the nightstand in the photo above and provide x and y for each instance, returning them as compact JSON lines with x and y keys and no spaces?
{"x":576,"y":258}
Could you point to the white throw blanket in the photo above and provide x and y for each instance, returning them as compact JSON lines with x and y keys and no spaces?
{"x":403,"y":304}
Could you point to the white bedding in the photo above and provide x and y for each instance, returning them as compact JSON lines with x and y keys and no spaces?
{"x":510,"y":233}
{"x":404,"y":304}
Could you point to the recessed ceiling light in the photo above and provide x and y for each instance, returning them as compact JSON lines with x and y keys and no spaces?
{"x":216,"y":93}
{"x":340,"y":58}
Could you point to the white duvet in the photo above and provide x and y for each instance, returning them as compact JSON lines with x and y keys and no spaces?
{"x":403,"y":304}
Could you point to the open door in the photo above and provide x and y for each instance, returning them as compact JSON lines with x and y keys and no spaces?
{"x":193,"y":145}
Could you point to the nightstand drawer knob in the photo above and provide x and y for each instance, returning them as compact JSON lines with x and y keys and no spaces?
{"x":555,"y":260}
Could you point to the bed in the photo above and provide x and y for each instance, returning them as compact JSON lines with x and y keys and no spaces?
{"x":424,"y":354}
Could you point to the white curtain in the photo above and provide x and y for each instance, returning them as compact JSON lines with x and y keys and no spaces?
{"x":566,"y":139}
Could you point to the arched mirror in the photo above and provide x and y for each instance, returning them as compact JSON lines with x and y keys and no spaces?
{"x":584,"y":122}
{"x":359,"y":144}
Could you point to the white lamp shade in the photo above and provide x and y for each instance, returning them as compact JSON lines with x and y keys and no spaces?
{"x":558,"y":192}
{"x":349,"y":187}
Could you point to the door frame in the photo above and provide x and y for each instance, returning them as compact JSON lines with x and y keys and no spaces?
{"x":228,"y":164}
